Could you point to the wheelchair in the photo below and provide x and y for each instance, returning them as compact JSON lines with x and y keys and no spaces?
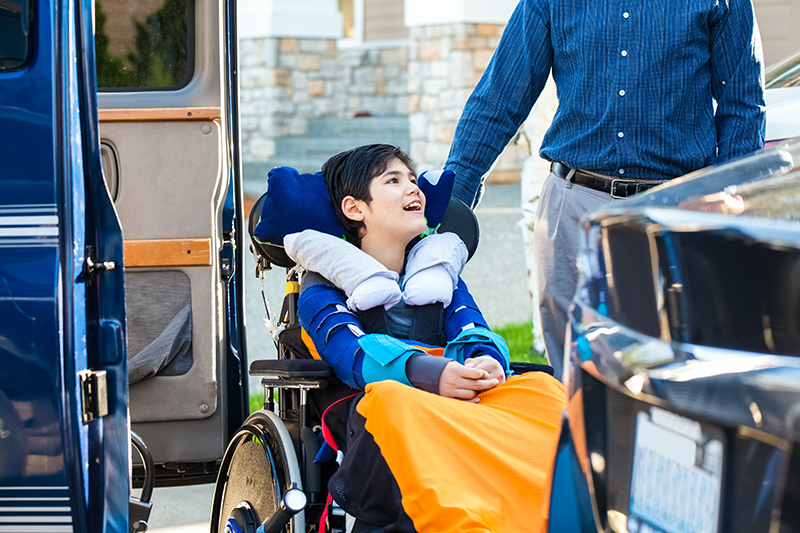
{"x":268,"y":479}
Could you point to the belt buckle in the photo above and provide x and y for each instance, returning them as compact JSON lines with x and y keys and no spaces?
{"x":626,"y":193}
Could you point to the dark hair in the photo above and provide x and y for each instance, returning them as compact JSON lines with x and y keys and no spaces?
{"x":350,"y":174}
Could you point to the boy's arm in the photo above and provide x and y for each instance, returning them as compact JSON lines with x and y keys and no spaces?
{"x":358,"y":358}
{"x":333,"y":329}
{"x":467,"y":333}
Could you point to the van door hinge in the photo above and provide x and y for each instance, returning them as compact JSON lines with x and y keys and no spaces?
{"x":94,"y":394}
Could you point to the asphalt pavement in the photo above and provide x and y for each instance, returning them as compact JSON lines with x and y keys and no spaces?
{"x":496,"y":276}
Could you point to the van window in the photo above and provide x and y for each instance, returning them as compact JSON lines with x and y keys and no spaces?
{"x":15,"y":26}
{"x":143,"y":44}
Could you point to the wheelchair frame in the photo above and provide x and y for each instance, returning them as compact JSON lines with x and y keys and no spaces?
{"x":279,"y":437}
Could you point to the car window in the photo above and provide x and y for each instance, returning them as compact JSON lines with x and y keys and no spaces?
{"x":15,"y":26}
{"x":143,"y":44}
{"x":784,"y":73}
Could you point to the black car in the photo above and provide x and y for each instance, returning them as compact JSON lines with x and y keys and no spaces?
{"x":682,"y":365}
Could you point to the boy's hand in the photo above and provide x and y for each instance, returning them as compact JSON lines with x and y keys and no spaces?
{"x":465,"y":382}
{"x":492,"y":367}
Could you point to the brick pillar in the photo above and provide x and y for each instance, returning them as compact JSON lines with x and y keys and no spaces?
{"x":287,"y":68}
{"x":452,"y":44}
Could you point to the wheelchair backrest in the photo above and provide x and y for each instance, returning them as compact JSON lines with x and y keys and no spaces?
{"x":458,"y":219}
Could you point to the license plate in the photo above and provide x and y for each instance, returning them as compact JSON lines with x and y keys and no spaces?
{"x":677,"y":475}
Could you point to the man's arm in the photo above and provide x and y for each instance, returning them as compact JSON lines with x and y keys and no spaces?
{"x":503,"y":97}
{"x":737,"y":79}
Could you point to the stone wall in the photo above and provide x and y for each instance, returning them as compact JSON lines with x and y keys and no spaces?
{"x":285,"y":82}
{"x":445,"y":65}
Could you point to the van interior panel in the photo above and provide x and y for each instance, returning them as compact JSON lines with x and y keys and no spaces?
{"x":167,"y":113}
{"x":167,"y":252}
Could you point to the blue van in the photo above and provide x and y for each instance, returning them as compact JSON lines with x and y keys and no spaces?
{"x":118,"y":139}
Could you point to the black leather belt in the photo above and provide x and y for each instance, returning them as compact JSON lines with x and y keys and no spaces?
{"x":616,"y":187}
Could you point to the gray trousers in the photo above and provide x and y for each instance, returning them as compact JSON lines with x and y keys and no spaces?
{"x":555,"y":244}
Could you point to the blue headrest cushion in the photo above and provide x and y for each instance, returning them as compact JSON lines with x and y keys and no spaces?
{"x":296,"y":202}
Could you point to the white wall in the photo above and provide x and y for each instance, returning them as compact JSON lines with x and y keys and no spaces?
{"x":315,"y":19}
{"x":428,"y":12}
{"x":777,"y":20}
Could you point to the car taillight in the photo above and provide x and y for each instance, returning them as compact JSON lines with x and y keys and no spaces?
{"x":774,"y":142}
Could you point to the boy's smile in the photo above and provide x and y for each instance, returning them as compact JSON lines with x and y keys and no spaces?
{"x":415,"y":205}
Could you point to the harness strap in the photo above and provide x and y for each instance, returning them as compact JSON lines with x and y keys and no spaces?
{"x":323,"y":520}
{"x":326,"y":432}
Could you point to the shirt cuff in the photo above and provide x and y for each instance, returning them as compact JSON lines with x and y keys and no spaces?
{"x":423,"y":371}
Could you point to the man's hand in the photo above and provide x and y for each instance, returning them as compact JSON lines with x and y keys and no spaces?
{"x":465,"y":382}
{"x":490,"y":365}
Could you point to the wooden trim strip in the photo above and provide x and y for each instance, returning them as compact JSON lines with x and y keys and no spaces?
{"x":168,"y":252}
{"x":160,"y":114}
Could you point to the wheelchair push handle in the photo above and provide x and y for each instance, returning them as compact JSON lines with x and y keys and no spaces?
{"x":294,"y":500}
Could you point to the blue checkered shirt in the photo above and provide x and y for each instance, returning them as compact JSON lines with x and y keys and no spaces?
{"x":637,"y":84}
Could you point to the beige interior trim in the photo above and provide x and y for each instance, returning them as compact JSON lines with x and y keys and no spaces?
{"x":168,"y":252}
{"x":167,"y":113}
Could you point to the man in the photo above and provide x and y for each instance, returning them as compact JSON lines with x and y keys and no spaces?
{"x":637,"y":85}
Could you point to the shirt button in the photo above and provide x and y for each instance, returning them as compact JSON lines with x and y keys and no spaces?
{"x":620,"y":135}
{"x":624,"y":53}
{"x":622,"y":92}
{"x":622,"y":171}
{"x":626,"y":14}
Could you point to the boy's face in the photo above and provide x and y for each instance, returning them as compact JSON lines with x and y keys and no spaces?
{"x":397,"y":209}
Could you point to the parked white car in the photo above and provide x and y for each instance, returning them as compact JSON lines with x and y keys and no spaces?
{"x":783,"y":99}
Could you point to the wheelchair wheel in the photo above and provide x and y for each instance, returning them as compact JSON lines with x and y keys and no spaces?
{"x":259,"y":465}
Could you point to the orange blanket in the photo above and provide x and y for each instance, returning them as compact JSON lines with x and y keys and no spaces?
{"x":464,"y":467}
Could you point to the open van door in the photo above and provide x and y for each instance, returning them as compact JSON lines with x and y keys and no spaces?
{"x":63,"y":380}
{"x":169,"y":183}
{"x":166,"y":73}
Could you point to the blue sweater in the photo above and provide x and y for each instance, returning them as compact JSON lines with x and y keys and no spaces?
{"x":335,"y":330}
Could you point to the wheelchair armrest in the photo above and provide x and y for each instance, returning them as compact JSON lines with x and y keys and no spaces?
{"x":293,"y":369}
{"x":520,"y":368}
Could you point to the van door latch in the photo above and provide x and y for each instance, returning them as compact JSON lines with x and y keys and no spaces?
{"x":94,"y":394}
{"x":92,"y":266}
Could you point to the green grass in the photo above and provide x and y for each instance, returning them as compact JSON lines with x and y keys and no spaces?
{"x":519,"y":338}
{"x":256,"y":400}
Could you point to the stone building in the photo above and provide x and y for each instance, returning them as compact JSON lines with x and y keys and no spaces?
{"x":321,"y":76}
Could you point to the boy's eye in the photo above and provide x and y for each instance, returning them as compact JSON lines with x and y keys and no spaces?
{"x":392,"y":180}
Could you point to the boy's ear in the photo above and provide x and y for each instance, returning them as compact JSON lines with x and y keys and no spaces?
{"x":352,"y":208}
